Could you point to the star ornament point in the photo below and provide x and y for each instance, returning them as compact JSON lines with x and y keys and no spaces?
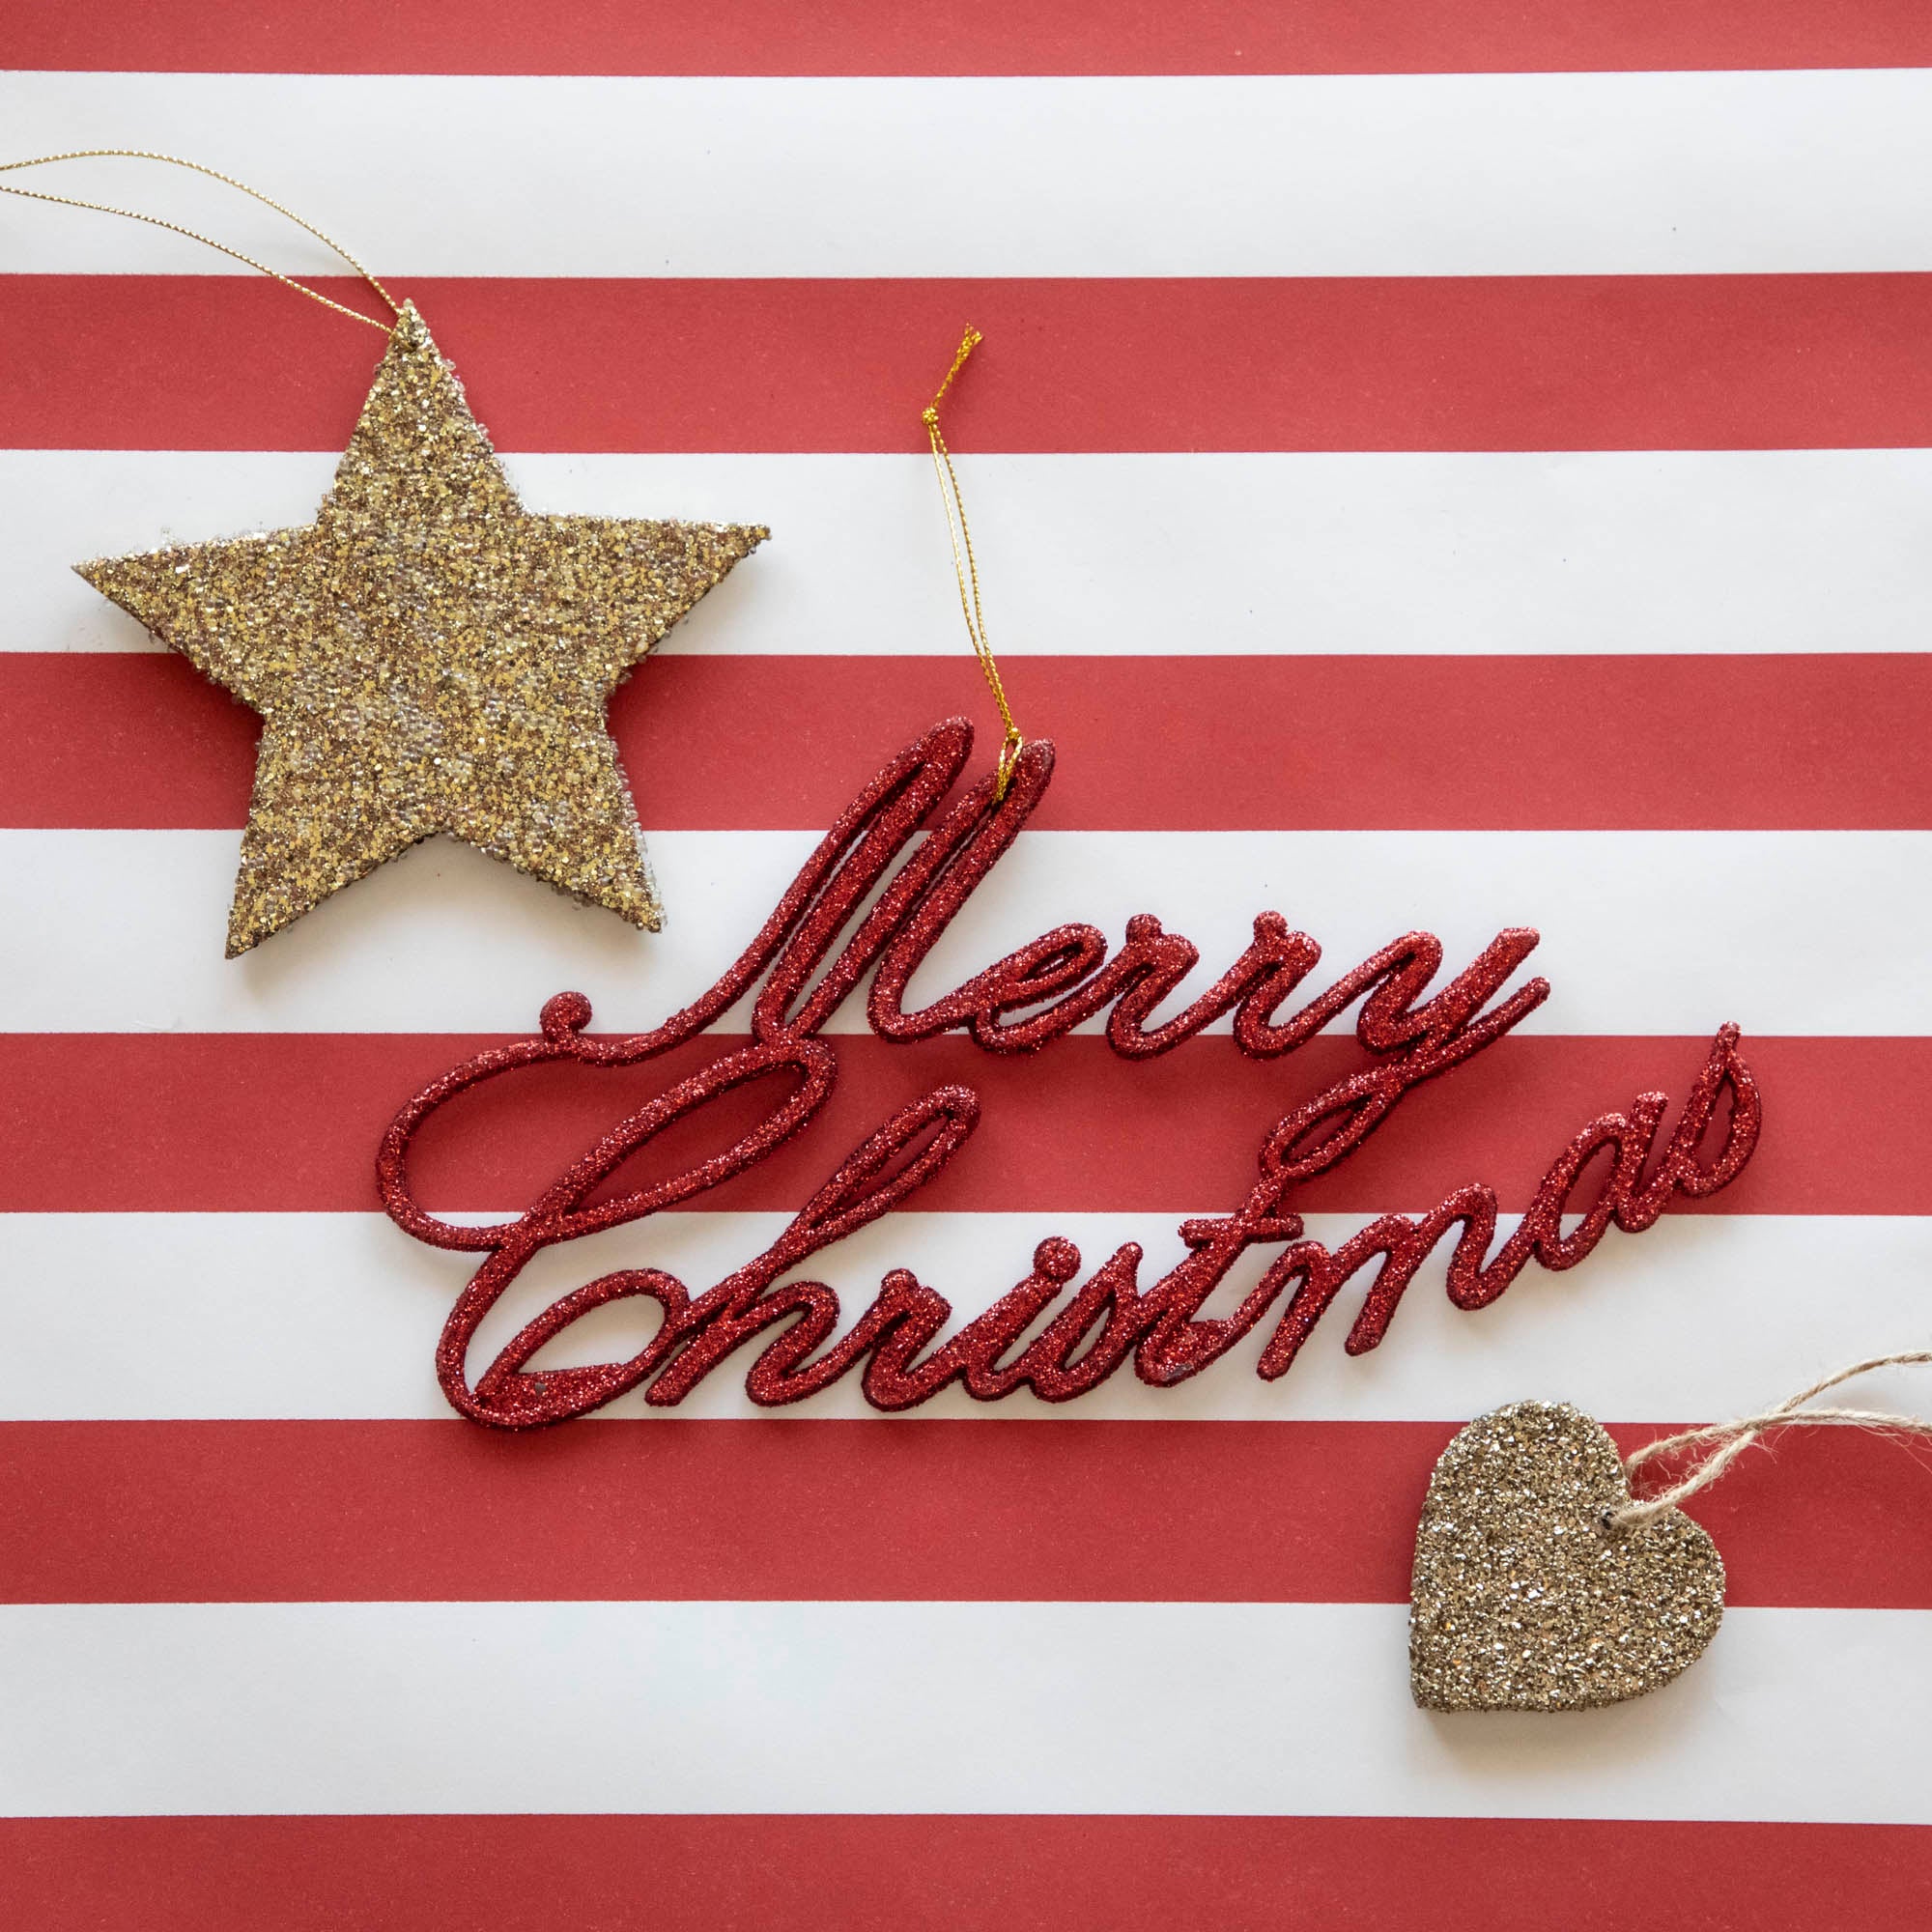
{"x":427,"y":657}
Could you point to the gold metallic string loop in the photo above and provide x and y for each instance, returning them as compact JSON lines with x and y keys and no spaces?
{"x":193,"y":235}
{"x":966,"y":569}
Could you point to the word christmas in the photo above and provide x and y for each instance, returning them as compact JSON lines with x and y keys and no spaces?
{"x":1019,"y":1005}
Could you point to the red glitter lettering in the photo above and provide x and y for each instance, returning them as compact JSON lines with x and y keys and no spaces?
{"x":1020,"y":1003}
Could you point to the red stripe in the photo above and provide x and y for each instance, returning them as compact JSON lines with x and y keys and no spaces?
{"x":986,"y":1510}
{"x":993,"y":37}
{"x":966,"y":1874}
{"x":1405,"y":363}
{"x":1348,"y":743}
{"x":219,"y":1121}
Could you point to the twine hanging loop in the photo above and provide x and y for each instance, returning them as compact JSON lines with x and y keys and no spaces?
{"x":1733,"y":1438}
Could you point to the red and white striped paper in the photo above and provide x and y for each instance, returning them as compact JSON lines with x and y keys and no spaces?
{"x":1446,"y":467}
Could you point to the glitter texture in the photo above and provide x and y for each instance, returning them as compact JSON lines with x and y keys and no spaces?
{"x":888,"y":879}
{"x":1521,"y":1600}
{"x":428,"y":656}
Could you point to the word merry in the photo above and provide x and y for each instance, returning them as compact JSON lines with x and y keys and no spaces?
{"x":1019,"y":1003}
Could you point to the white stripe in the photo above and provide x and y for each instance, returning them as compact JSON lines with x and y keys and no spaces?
{"x":1820,"y":550}
{"x":205,"y":1316}
{"x":1667,"y":932}
{"x":695,"y":1707}
{"x":1349,"y":175}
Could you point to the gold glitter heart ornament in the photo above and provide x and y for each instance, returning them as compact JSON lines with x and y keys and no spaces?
{"x":1524,"y":1600}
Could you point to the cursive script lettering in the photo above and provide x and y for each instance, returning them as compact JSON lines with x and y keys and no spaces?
{"x":1019,"y":1005}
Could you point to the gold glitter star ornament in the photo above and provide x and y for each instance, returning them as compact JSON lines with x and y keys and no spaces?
{"x":429,"y":656}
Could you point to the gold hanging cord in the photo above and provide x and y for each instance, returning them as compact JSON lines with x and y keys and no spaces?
{"x":193,"y":235}
{"x":966,"y":570}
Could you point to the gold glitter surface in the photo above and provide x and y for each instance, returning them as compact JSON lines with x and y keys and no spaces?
{"x":1521,"y":1600}
{"x":428,"y":656}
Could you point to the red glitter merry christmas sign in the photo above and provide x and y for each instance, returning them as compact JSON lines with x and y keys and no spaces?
{"x":1021,"y":1004}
